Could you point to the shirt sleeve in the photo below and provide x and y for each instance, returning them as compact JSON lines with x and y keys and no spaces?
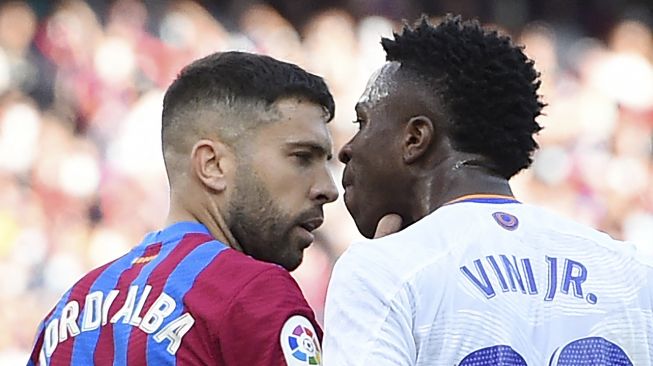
{"x":270,"y":323}
{"x":368,"y":314}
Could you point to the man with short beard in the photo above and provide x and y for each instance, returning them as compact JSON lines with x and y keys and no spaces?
{"x":245,"y":145}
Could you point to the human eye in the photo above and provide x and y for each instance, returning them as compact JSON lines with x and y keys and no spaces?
{"x":304,"y":158}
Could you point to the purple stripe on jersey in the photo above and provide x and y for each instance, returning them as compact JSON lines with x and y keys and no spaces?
{"x":104,"y":351}
{"x":38,"y":342}
{"x":122,"y":332}
{"x":78,"y":293}
{"x":208,"y":297}
{"x":135,"y":349}
{"x":178,"y":284}
{"x":56,"y":313}
{"x":87,"y":341}
{"x":497,"y":200}
{"x":172,"y":237}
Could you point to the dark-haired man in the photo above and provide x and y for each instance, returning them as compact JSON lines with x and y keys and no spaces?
{"x":475,"y":277}
{"x":245,"y":145}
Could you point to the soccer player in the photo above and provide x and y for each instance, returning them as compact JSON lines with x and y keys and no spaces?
{"x":475,"y":277}
{"x":246,"y":145}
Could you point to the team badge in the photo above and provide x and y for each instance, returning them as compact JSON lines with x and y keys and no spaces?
{"x":299,"y":342}
{"x":506,"y":220}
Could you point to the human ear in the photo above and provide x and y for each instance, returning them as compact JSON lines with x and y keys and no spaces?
{"x":418,"y":135}
{"x":211,"y":163}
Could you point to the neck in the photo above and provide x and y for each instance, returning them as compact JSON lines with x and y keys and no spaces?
{"x":209,"y":216}
{"x":484,"y":185}
{"x":456,"y":183}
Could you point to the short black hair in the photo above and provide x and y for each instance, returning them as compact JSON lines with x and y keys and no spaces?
{"x":231,"y":80}
{"x":486,"y":85}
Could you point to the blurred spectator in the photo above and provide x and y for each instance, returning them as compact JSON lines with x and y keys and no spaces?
{"x":80,"y":104}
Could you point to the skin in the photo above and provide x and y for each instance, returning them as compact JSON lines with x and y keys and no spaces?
{"x":263,"y":195}
{"x":401,"y":161}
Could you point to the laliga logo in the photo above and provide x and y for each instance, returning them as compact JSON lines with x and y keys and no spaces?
{"x":299,"y":342}
{"x":304,"y":346}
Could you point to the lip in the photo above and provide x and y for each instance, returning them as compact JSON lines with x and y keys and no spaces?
{"x":346,"y":180}
{"x":306,"y":228}
{"x":311,"y":224}
{"x":306,"y":237}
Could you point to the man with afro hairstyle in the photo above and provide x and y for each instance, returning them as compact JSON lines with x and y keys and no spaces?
{"x":459,"y":271}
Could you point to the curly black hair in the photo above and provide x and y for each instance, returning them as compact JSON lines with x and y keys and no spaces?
{"x":486,"y":85}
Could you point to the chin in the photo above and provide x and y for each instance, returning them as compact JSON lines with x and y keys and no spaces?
{"x":291,"y":266}
{"x":365,"y":230}
{"x":291,"y":260}
{"x":367,"y":234}
{"x":358,"y":220}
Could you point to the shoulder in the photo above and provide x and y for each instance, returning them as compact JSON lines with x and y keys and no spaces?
{"x":269,"y":279}
{"x":366,"y":261}
{"x":375,"y":269}
{"x":236,"y":277}
{"x":236,"y":270}
{"x":254,"y":284}
{"x":396,"y":257}
{"x":268,"y":314}
{"x":368,"y":298}
{"x":575,"y":230}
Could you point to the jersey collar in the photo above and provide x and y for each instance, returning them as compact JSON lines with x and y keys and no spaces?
{"x":484,"y":198}
{"x":176,"y":231}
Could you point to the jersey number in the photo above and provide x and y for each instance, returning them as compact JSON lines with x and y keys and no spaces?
{"x":584,"y":351}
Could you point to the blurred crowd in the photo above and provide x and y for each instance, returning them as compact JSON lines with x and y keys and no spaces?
{"x":81,"y":174}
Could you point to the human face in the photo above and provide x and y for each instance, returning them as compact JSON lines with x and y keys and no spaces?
{"x":372,"y":178}
{"x":282,"y":182}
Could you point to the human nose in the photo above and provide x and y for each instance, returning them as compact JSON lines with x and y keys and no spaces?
{"x":344,"y":155}
{"x":325,"y":190}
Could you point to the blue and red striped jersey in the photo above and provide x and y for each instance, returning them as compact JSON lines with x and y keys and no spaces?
{"x":180,"y":296}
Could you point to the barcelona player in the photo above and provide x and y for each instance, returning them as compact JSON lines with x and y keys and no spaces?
{"x":246,"y":145}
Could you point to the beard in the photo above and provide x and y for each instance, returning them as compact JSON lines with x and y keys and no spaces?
{"x":259,"y":224}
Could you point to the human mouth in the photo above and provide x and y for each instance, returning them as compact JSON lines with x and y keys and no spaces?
{"x":312,"y":224}
{"x":346,"y":180}
{"x":307,"y":227}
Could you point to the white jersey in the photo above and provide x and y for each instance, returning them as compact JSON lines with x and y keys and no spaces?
{"x":490,"y":281}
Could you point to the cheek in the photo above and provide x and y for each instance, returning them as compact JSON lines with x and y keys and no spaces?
{"x":289,"y":194}
{"x":284,"y":181}
{"x":376,"y":166}
{"x":377,"y":183}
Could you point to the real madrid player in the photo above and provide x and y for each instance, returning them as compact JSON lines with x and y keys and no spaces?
{"x":475,"y":277}
{"x":245,"y":144}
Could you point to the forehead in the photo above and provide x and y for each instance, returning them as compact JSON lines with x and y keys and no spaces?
{"x":380,"y":85}
{"x":298,"y":121}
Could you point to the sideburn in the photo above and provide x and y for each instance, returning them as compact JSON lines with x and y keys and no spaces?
{"x":253,"y":218}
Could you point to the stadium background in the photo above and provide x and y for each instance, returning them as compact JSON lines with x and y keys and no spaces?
{"x":81,"y":84}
